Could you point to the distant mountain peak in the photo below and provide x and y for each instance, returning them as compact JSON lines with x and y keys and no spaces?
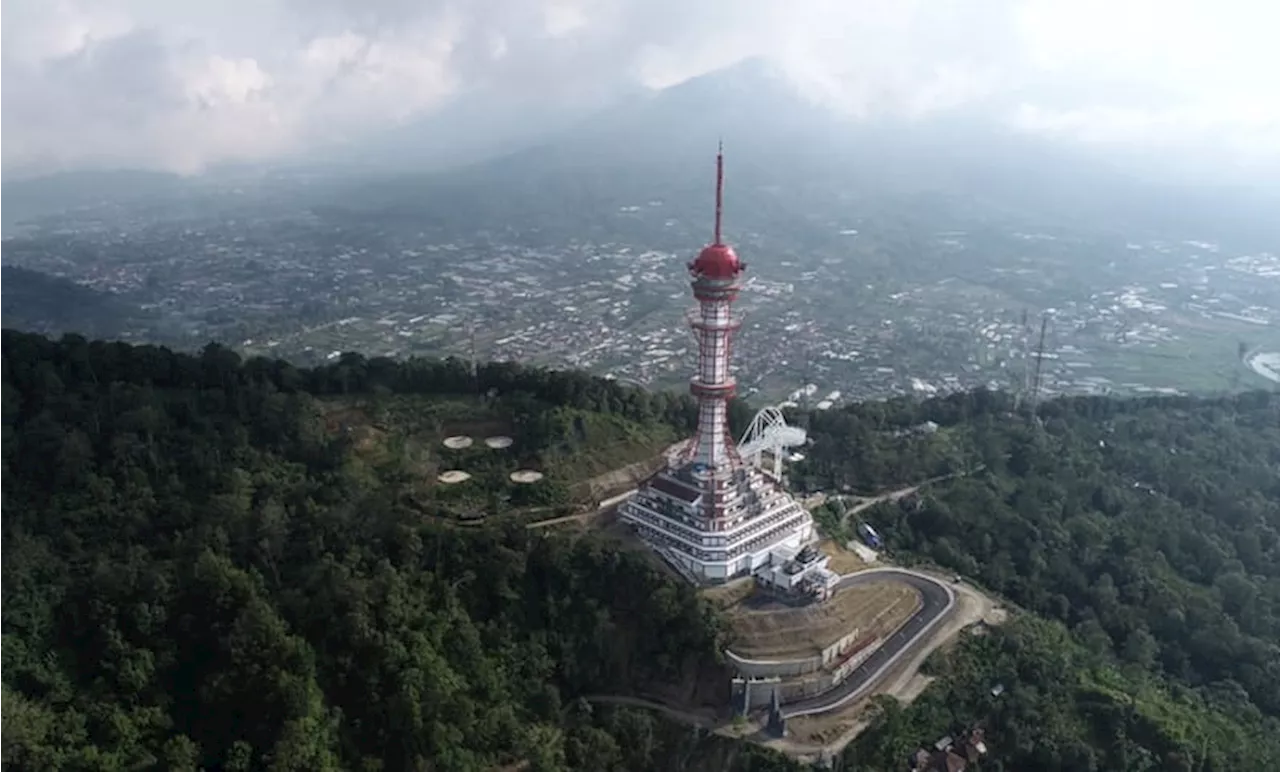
{"x":752,"y":81}
{"x":752,"y":71}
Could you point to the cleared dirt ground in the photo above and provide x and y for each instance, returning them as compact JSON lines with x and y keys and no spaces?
{"x":355,"y":423}
{"x":611,"y":483}
{"x":730,"y":593}
{"x":769,"y":629}
{"x":843,"y":561}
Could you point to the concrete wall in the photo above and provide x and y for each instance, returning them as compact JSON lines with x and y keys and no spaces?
{"x":760,"y":668}
{"x":754,"y":693}
{"x":833,"y":652}
{"x":761,"y":695}
{"x":764,"y":668}
{"x":806,"y":677}
{"x":808,"y":687}
{"x":759,"y":692}
{"x":848,"y":666}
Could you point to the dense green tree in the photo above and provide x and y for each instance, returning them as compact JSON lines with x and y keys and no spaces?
{"x":196,"y":574}
{"x":1147,"y":526}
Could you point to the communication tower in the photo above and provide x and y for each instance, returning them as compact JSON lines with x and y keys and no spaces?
{"x":715,"y":283}
{"x":707,"y":512}
{"x":472,"y":362}
{"x":1035,"y":385}
{"x":1023,"y":391}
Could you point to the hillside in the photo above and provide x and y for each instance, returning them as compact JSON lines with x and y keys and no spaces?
{"x":1147,"y":530}
{"x":225,"y":564}
{"x":200,"y":571}
{"x":52,"y":195}
{"x":795,"y":164}
{"x":38,"y":302}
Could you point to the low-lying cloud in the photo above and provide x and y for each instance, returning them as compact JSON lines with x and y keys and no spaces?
{"x":157,"y":84}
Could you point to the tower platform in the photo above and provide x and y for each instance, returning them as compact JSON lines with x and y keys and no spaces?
{"x":715,"y":526}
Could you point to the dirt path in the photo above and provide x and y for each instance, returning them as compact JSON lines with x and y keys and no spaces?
{"x":601,"y":512}
{"x":581,"y":517}
{"x":893,"y":495}
{"x":704,"y":719}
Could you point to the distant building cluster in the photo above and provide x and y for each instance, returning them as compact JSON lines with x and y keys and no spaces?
{"x":950,"y":754}
{"x":865,"y":312}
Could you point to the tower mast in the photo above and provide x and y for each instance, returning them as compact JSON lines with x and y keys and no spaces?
{"x":719,"y":191}
{"x":474,"y":366}
{"x":1024,"y":393}
{"x":714,"y":277}
{"x":1035,"y":386}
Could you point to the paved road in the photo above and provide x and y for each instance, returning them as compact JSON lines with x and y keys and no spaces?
{"x":938,"y":599}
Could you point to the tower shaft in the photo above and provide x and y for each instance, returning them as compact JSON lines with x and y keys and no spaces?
{"x":713,"y":385}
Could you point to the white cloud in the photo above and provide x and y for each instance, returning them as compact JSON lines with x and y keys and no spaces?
{"x":179,"y":85}
{"x":87,"y":86}
{"x":1172,"y":79}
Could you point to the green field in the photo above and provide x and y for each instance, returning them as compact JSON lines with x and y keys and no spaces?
{"x":1201,"y":360}
{"x":400,"y":439}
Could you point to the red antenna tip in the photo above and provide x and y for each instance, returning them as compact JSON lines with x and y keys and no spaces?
{"x":719,"y":188}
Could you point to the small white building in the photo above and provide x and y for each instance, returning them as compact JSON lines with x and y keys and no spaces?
{"x":800,"y":570}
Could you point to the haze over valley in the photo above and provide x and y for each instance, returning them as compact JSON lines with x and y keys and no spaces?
{"x":886,"y":256}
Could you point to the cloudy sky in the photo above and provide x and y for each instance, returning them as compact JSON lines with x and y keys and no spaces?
{"x":181,"y":84}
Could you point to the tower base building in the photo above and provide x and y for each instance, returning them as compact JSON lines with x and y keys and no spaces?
{"x":710,"y":515}
{"x":717,"y":527}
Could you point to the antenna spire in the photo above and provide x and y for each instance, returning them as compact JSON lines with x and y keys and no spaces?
{"x":719,"y":187}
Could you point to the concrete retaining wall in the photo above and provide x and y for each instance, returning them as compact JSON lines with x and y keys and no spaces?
{"x":765,"y":668}
{"x":756,"y":692}
{"x":860,"y":655}
{"x":833,"y":652}
{"x":759,"y":692}
{"x":752,"y":693}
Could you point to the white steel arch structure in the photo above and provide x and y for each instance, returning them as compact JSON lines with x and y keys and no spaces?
{"x":769,"y":431}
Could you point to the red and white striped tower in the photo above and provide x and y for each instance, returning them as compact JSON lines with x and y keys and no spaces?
{"x":706,"y":512}
{"x":715,"y":286}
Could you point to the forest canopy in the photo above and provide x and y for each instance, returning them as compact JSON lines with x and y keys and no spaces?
{"x":1149,"y":528}
{"x":200,"y":573}
{"x":197,"y":575}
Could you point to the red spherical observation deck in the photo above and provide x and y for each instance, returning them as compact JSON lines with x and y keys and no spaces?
{"x":717,"y":261}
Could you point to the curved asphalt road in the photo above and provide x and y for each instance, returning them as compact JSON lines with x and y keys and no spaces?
{"x":938,"y":599}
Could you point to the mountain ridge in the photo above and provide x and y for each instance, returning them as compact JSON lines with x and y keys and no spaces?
{"x":661,"y":142}
{"x":39,"y":302}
